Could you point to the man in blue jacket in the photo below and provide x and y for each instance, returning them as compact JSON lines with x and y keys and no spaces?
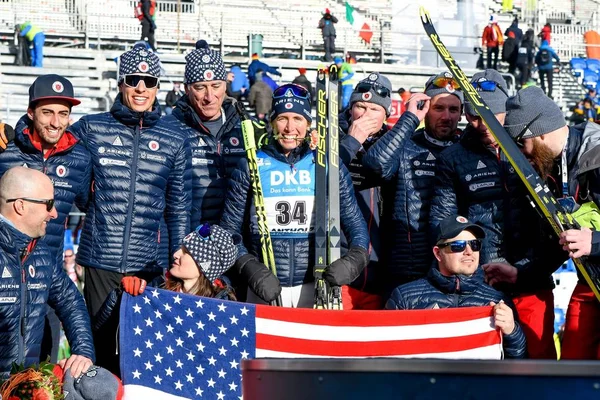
{"x":458,"y":281}
{"x":43,"y":142}
{"x":287,"y":172}
{"x":544,"y":60}
{"x":362,"y":125}
{"x":256,"y":65}
{"x":473,"y":177}
{"x":140,"y":207}
{"x":32,"y":279}
{"x":209,"y":120}
{"x":405,"y":158}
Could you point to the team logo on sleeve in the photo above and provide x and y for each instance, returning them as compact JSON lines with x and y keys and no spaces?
{"x":61,"y":171}
{"x":153,"y":145}
{"x":234,"y":141}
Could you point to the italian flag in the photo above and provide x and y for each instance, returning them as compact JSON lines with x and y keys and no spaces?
{"x":358,"y":23}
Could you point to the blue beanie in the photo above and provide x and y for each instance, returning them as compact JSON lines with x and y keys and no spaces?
{"x":289,"y":102}
{"x":204,"y":65}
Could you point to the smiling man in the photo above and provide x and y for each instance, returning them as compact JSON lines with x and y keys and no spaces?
{"x":142,"y":183}
{"x":208,"y":118}
{"x":43,"y":142}
{"x":458,"y":281}
{"x":31,"y":278}
{"x":473,"y":176}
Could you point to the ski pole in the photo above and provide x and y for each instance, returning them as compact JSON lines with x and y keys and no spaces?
{"x":259,"y":203}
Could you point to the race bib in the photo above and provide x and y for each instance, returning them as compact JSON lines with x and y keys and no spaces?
{"x":289,"y":195}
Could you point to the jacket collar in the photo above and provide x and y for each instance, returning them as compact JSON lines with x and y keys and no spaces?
{"x":456,"y":283}
{"x":274,"y":150}
{"x":129,"y":117}
{"x":18,"y":239}
{"x":28,"y":139}
{"x":185,"y":113}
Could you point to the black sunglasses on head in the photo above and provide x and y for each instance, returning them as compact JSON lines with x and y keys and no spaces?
{"x":364,"y":87}
{"x":48,"y":202}
{"x":134,"y":80}
{"x":458,"y":246}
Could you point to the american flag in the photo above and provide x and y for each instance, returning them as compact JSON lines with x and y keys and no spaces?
{"x":176,"y":346}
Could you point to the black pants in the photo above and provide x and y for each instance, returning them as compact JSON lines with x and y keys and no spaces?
{"x":329,"y":42}
{"x":494,"y":51}
{"x":98,"y":285}
{"x":148,"y":33}
{"x":522,"y":74}
{"x":548,"y":75}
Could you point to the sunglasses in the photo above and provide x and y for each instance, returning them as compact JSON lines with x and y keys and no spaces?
{"x":458,"y":246}
{"x":489,"y":86}
{"x":443,"y":82}
{"x":364,"y":87}
{"x":134,"y":80}
{"x":49,"y":202}
{"x":291,"y":90}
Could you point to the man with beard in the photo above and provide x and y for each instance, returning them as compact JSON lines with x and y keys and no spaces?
{"x":405,"y":158}
{"x":43,"y":142}
{"x":471,"y":175}
{"x":532,"y":251}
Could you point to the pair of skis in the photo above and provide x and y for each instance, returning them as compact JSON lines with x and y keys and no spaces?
{"x":327,"y":188}
{"x":554,"y":213}
{"x":266,"y":245}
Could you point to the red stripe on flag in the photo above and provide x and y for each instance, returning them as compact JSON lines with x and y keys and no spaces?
{"x":376,"y":349}
{"x":372,"y":318}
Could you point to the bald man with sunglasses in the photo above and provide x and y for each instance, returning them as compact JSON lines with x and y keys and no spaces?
{"x":458,"y":281}
{"x":140,"y":205}
{"x":32,"y":279}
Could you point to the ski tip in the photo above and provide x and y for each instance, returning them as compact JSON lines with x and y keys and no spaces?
{"x":424,"y":15}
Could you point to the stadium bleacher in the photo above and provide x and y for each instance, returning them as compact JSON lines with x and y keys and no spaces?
{"x":83,"y":37}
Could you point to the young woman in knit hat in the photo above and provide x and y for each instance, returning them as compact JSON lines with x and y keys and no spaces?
{"x":206,"y":253}
{"x":287,"y":171}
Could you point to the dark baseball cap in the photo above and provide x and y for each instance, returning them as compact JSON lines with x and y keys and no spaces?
{"x":52,"y":86}
{"x":453,"y":225}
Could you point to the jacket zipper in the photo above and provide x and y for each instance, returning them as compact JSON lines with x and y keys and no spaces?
{"x":22,"y":258}
{"x":134,"y":166}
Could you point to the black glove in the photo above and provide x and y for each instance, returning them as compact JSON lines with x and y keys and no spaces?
{"x":7,"y":135}
{"x":260,"y":279}
{"x":153,"y":26}
{"x":348,"y":268}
